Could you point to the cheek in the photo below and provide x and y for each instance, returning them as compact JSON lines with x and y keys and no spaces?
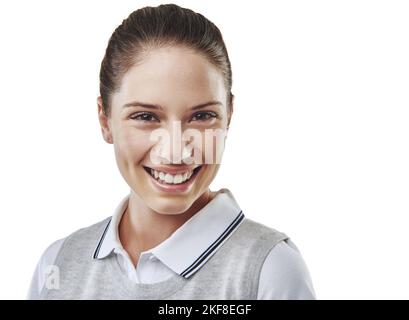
{"x":208,"y":144}
{"x":213,"y":147}
{"x":131,"y":147}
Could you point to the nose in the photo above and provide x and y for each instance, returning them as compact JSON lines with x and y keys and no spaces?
{"x":170,"y":147}
{"x":173,"y":153}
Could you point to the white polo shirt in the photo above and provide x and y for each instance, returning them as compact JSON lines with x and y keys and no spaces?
{"x":284,"y":274}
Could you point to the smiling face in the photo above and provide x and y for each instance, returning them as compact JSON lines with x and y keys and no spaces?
{"x":172,"y":90}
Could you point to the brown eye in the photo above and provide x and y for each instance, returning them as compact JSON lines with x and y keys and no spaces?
{"x":203,"y":116}
{"x":144,"y":116}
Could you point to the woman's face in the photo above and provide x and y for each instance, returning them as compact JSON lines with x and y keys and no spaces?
{"x":166,"y":151}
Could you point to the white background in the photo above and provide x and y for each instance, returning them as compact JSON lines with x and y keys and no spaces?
{"x":318,"y":146}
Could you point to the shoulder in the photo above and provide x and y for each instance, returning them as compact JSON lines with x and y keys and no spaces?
{"x":284,"y":274}
{"x":50,"y":253}
{"x":86,"y":238}
{"x":44,"y":265}
{"x":49,"y":256}
{"x":261,"y":233}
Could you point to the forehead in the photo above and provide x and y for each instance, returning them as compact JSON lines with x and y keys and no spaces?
{"x":172,"y":75}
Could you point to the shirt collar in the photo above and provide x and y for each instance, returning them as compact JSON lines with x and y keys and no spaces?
{"x":192,"y":244}
{"x":109,"y":240}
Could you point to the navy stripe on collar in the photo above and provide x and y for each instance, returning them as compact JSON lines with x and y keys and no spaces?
{"x":201,"y":259}
{"x":101,"y":240}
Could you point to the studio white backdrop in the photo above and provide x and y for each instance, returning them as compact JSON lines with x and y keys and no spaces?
{"x":318,"y":146}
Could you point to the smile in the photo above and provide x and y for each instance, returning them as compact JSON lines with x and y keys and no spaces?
{"x":172,"y":179}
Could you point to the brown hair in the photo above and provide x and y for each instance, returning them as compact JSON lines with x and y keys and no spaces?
{"x":154,"y":27}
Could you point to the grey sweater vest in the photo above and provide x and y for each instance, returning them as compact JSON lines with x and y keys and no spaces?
{"x":231,"y":273}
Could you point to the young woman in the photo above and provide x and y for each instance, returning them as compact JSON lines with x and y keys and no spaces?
{"x":166,"y":73}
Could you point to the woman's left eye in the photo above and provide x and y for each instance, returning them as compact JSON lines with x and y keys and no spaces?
{"x":203,"y":116}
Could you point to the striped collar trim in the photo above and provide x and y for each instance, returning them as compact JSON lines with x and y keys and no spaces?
{"x":109,"y":239}
{"x":201,"y":260}
{"x":192,"y":244}
{"x":101,"y":240}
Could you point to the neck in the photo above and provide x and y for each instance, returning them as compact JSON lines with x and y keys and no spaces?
{"x":142,"y":228}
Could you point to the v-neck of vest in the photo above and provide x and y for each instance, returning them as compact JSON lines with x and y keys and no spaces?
{"x":157,"y":290}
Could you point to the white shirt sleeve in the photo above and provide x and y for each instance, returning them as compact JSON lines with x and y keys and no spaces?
{"x":39,"y":276}
{"x":284,"y":275}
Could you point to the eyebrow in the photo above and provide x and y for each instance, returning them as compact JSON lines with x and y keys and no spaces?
{"x":159,"y":107}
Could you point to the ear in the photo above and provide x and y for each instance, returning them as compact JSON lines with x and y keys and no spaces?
{"x":104,"y":122}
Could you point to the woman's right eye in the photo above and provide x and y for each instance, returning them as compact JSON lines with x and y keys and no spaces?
{"x":144,"y":116}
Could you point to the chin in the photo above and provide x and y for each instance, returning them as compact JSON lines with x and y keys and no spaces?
{"x":169,"y":206}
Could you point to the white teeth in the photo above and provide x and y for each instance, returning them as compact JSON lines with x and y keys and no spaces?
{"x":169,"y":178}
{"x":177,"y":179}
{"x":161,"y":176}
